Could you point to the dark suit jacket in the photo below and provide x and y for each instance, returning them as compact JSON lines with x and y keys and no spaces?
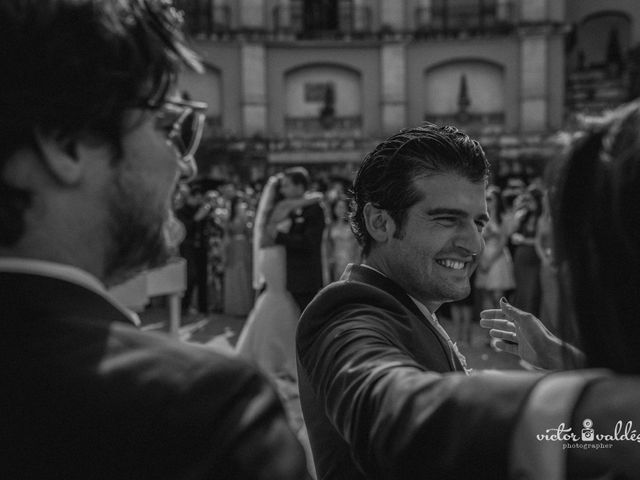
{"x":303,"y":243}
{"x":87,"y":395}
{"x":370,"y":405}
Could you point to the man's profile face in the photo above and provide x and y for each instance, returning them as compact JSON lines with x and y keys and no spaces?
{"x":433,"y":260}
{"x":290,"y":189}
{"x":139,"y":201}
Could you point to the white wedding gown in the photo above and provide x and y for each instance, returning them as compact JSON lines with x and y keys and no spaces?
{"x":268,"y":337}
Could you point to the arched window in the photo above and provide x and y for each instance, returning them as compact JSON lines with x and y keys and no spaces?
{"x":601,"y":38}
{"x":323,"y":98}
{"x":466,"y":93}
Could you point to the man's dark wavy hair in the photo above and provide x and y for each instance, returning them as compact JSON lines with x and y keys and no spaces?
{"x":73,"y":68}
{"x":386,"y":176}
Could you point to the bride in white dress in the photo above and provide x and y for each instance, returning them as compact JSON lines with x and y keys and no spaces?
{"x":268,"y":337}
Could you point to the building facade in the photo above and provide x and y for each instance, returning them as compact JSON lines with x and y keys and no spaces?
{"x":319,"y":82}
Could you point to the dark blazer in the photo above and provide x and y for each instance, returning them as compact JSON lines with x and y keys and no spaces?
{"x":87,"y":395}
{"x":363,"y":350}
{"x":303,"y":243}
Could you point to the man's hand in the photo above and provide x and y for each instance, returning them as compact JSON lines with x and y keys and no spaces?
{"x":522,"y":334}
{"x":517,"y":239}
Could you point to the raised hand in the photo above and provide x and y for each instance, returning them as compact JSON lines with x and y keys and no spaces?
{"x":521,"y":333}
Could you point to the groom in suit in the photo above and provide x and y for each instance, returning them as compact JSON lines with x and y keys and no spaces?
{"x":384,"y":390}
{"x":420,"y":211}
{"x":93,"y":142}
{"x":303,"y":241}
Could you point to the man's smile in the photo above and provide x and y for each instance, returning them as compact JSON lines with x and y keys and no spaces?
{"x":452,"y":264}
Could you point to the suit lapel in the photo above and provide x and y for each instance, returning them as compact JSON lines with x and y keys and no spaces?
{"x":359,"y":273}
{"x":367,"y":275}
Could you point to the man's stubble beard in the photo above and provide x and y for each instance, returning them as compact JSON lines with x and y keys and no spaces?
{"x":139,"y":233}
{"x":432,"y":286}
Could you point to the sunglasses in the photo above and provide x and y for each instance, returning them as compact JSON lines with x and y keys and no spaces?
{"x":183,"y":122}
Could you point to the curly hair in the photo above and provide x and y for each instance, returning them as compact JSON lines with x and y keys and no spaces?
{"x":387,"y":174}
{"x":73,"y":68}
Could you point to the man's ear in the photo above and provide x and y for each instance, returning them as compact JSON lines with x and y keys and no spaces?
{"x":379,"y":224}
{"x":60,"y":155}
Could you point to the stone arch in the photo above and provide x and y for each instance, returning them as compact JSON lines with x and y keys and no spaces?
{"x":303,"y":85}
{"x":593,"y":35}
{"x":485,"y":87}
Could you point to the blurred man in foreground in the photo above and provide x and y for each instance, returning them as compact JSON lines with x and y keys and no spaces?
{"x":92,"y":145}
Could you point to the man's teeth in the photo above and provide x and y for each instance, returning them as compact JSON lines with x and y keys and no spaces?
{"x":451,"y":264}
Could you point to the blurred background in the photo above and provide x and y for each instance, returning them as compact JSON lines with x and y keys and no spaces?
{"x":318,"y":83}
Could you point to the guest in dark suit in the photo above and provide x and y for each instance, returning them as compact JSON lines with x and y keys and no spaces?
{"x":303,"y":240}
{"x":195,"y":216}
{"x":384,"y":391}
{"x":92,"y":146}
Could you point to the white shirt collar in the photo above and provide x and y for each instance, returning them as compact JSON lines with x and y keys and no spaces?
{"x":374,"y":269}
{"x":66,"y":273}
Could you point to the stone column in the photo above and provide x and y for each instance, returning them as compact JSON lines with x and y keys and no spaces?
{"x":532,"y":11}
{"x":534,"y":67}
{"x":283,"y":19}
{"x":392,"y":14}
{"x":424,"y":18}
{"x":254,"y":88}
{"x":393,"y":70}
{"x":252,"y":14}
{"x":502,"y":10}
{"x":359,"y":16}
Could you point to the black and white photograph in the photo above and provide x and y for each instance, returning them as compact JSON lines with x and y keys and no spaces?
{"x":320,"y":239}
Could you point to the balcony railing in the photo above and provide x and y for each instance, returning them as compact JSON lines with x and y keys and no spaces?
{"x":475,"y":122}
{"x":483,"y":17}
{"x":315,"y":126}
{"x":595,"y":90}
{"x":351,"y":20}
{"x":204,"y":18}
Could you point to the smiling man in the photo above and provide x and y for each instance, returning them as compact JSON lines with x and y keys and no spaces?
{"x":383,"y":392}
{"x":418,"y":211}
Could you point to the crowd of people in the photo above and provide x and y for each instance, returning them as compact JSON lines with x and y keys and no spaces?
{"x":94,"y":142}
{"x":517,"y":261}
{"x":218,"y":242}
